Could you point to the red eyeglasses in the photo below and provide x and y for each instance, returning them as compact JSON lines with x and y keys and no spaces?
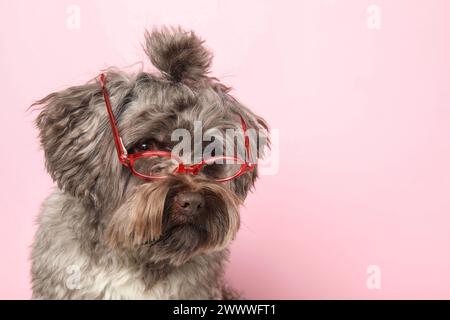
{"x":156,"y":164}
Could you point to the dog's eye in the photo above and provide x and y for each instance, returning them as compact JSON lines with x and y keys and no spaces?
{"x":144,"y":146}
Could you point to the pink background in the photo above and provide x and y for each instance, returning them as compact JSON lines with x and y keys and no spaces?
{"x":364,"y":120}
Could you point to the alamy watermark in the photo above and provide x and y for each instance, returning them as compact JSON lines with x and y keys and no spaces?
{"x":373,"y":21}
{"x":373,"y":281}
{"x":228,"y":146}
{"x":73,"y":20}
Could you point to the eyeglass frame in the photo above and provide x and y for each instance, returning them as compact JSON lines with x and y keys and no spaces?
{"x":128,"y":160}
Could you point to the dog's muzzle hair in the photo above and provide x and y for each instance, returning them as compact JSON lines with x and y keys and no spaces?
{"x":152,"y":218}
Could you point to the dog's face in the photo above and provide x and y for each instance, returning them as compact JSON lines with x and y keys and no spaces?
{"x":162,"y":220}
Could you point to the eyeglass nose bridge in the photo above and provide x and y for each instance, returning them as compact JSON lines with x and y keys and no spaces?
{"x":192,"y":169}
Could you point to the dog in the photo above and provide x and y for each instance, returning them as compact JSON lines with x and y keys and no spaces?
{"x":128,"y":218}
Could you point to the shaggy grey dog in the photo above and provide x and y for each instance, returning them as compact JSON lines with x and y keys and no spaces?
{"x":105,"y":233}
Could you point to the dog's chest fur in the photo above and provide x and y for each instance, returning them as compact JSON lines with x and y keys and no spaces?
{"x":63,"y":269}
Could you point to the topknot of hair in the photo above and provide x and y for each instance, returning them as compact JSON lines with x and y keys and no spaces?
{"x":178,"y":54}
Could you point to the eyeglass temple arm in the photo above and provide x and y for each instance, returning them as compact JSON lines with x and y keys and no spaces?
{"x":246,"y":143}
{"x":121,"y":151}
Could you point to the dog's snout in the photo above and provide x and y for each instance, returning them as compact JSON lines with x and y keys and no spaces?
{"x":190,"y":202}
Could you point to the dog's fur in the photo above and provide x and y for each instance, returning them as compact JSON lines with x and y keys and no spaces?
{"x":106,"y":234}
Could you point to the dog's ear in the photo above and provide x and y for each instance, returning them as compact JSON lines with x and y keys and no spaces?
{"x":179,"y":55}
{"x":75,"y":137}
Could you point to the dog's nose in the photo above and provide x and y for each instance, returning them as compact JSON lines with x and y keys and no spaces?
{"x":190,"y":202}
